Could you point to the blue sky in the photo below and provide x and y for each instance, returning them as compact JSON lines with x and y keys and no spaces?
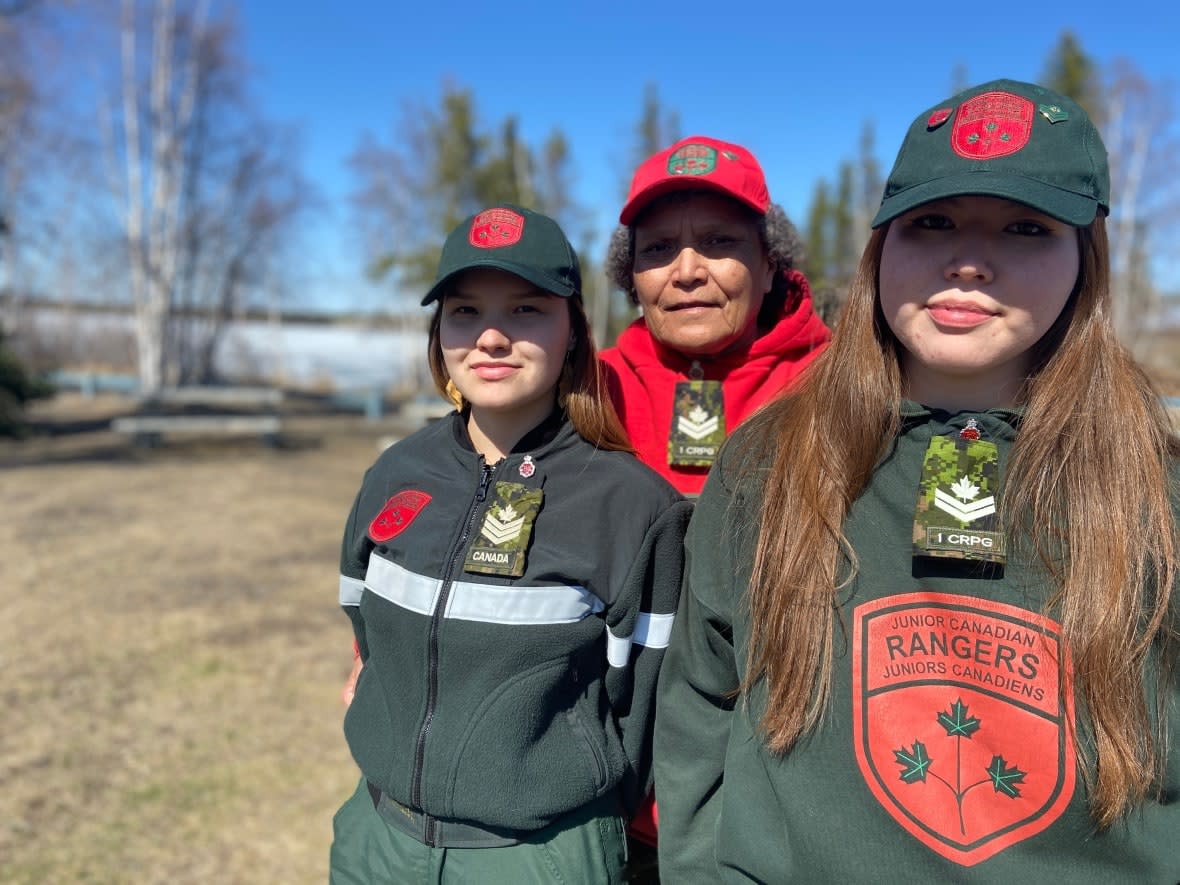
{"x":793,"y":84}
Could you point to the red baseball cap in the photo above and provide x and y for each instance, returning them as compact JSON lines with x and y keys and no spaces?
{"x":698,"y":163}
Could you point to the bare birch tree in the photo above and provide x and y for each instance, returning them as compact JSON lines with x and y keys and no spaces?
{"x":153,"y":190}
{"x":1137,"y":119}
{"x":1140,"y":136}
{"x":208,"y":189}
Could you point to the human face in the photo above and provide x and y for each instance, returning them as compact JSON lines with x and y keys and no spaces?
{"x":504,"y":343}
{"x":700,"y":273}
{"x":968,"y":285}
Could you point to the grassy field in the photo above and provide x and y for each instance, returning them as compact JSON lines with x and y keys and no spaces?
{"x":173,"y":653}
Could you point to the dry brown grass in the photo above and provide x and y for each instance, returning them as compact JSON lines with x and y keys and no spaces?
{"x":173,"y":654}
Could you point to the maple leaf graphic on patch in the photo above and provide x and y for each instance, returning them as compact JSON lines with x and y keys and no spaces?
{"x":916,"y":763}
{"x":957,"y":723}
{"x":503,"y":524}
{"x":965,"y":489}
{"x":1005,"y":778}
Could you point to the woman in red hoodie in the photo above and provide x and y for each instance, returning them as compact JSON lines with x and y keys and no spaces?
{"x":727,"y":322}
{"x":727,"y":318}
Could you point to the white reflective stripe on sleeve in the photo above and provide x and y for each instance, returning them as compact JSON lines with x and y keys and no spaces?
{"x":651,"y":631}
{"x":351,"y":590}
{"x":486,"y":603}
{"x":654,"y":631}
{"x":618,"y":650}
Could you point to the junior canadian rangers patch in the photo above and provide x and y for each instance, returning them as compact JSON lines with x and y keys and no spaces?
{"x":397,"y":514}
{"x":503,"y":540}
{"x":698,"y":423}
{"x":991,"y":125}
{"x":693,"y":159}
{"x":496,"y":228}
{"x":962,"y":711}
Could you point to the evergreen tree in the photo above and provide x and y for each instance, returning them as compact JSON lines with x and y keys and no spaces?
{"x":1072,"y":72}
{"x":441,"y":166}
{"x":17,"y":388}
{"x":818,"y":263}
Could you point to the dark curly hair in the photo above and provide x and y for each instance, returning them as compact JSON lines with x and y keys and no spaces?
{"x":782,"y":242}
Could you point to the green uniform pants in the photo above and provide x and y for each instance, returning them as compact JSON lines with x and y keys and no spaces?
{"x":586,"y":847}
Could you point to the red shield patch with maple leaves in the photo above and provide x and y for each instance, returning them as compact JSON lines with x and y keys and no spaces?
{"x":397,"y":514}
{"x":992,"y":125}
{"x":962,"y":712}
{"x":495,"y":228}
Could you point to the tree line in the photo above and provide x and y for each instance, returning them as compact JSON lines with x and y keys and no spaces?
{"x":192,"y":200}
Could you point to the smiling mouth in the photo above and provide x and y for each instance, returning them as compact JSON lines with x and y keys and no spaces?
{"x":958,"y":316}
{"x":493,"y":371}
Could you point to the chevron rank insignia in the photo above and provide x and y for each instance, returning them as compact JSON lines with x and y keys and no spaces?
{"x":698,"y":423}
{"x":955,"y":515}
{"x":502,"y":544}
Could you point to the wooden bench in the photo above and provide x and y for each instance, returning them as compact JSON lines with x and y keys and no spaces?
{"x":149,"y":429}
{"x":197,"y":395}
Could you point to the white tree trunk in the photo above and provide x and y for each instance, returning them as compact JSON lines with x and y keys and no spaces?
{"x":153,"y":221}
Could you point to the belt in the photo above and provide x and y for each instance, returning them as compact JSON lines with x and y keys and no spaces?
{"x":446,"y":833}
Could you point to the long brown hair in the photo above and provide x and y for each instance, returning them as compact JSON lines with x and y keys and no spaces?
{"x":582,"y":390}
{"x":1087,"y":494}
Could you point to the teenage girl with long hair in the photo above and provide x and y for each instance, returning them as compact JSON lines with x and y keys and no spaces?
{"x":928,"y":630}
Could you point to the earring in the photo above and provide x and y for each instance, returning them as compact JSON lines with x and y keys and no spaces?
{"x":453,"y":395}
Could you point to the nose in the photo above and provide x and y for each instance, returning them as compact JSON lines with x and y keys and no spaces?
{"x":689,"y":267}
{"x":968,"y":262}
{"x":491,"y":339}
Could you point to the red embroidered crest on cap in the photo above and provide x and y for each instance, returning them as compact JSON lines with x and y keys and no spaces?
{"x":962,"y":712}
{"x":495,"y":228}
{"x":397,"y":514}
{"x":938,"y":118}
{"x":992,"y":125}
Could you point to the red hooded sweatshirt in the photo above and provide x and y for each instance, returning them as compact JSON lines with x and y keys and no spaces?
{"x":642,"y":375}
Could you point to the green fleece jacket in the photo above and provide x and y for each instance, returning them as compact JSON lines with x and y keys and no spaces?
{"x":512,"y":619}
{"x":946,"y":754}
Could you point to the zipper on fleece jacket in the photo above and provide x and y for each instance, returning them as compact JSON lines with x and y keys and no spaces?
{"x":481,"y":493}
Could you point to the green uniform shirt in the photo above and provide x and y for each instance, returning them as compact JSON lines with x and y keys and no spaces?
{"x":946,"y":753}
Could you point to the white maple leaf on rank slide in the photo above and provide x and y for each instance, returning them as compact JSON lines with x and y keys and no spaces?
{"x":503,"y":528}
{"x":964,"y":512}
{"x":965,"y":489}
{"x":697,"y":424}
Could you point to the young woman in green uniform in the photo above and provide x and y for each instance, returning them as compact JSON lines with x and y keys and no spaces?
{"x":511,"y":573}
{"x":928,"y":630}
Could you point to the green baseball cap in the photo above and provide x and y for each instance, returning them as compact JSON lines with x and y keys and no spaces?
{"x":511,"y":238}
{"x":1007,"y":139}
